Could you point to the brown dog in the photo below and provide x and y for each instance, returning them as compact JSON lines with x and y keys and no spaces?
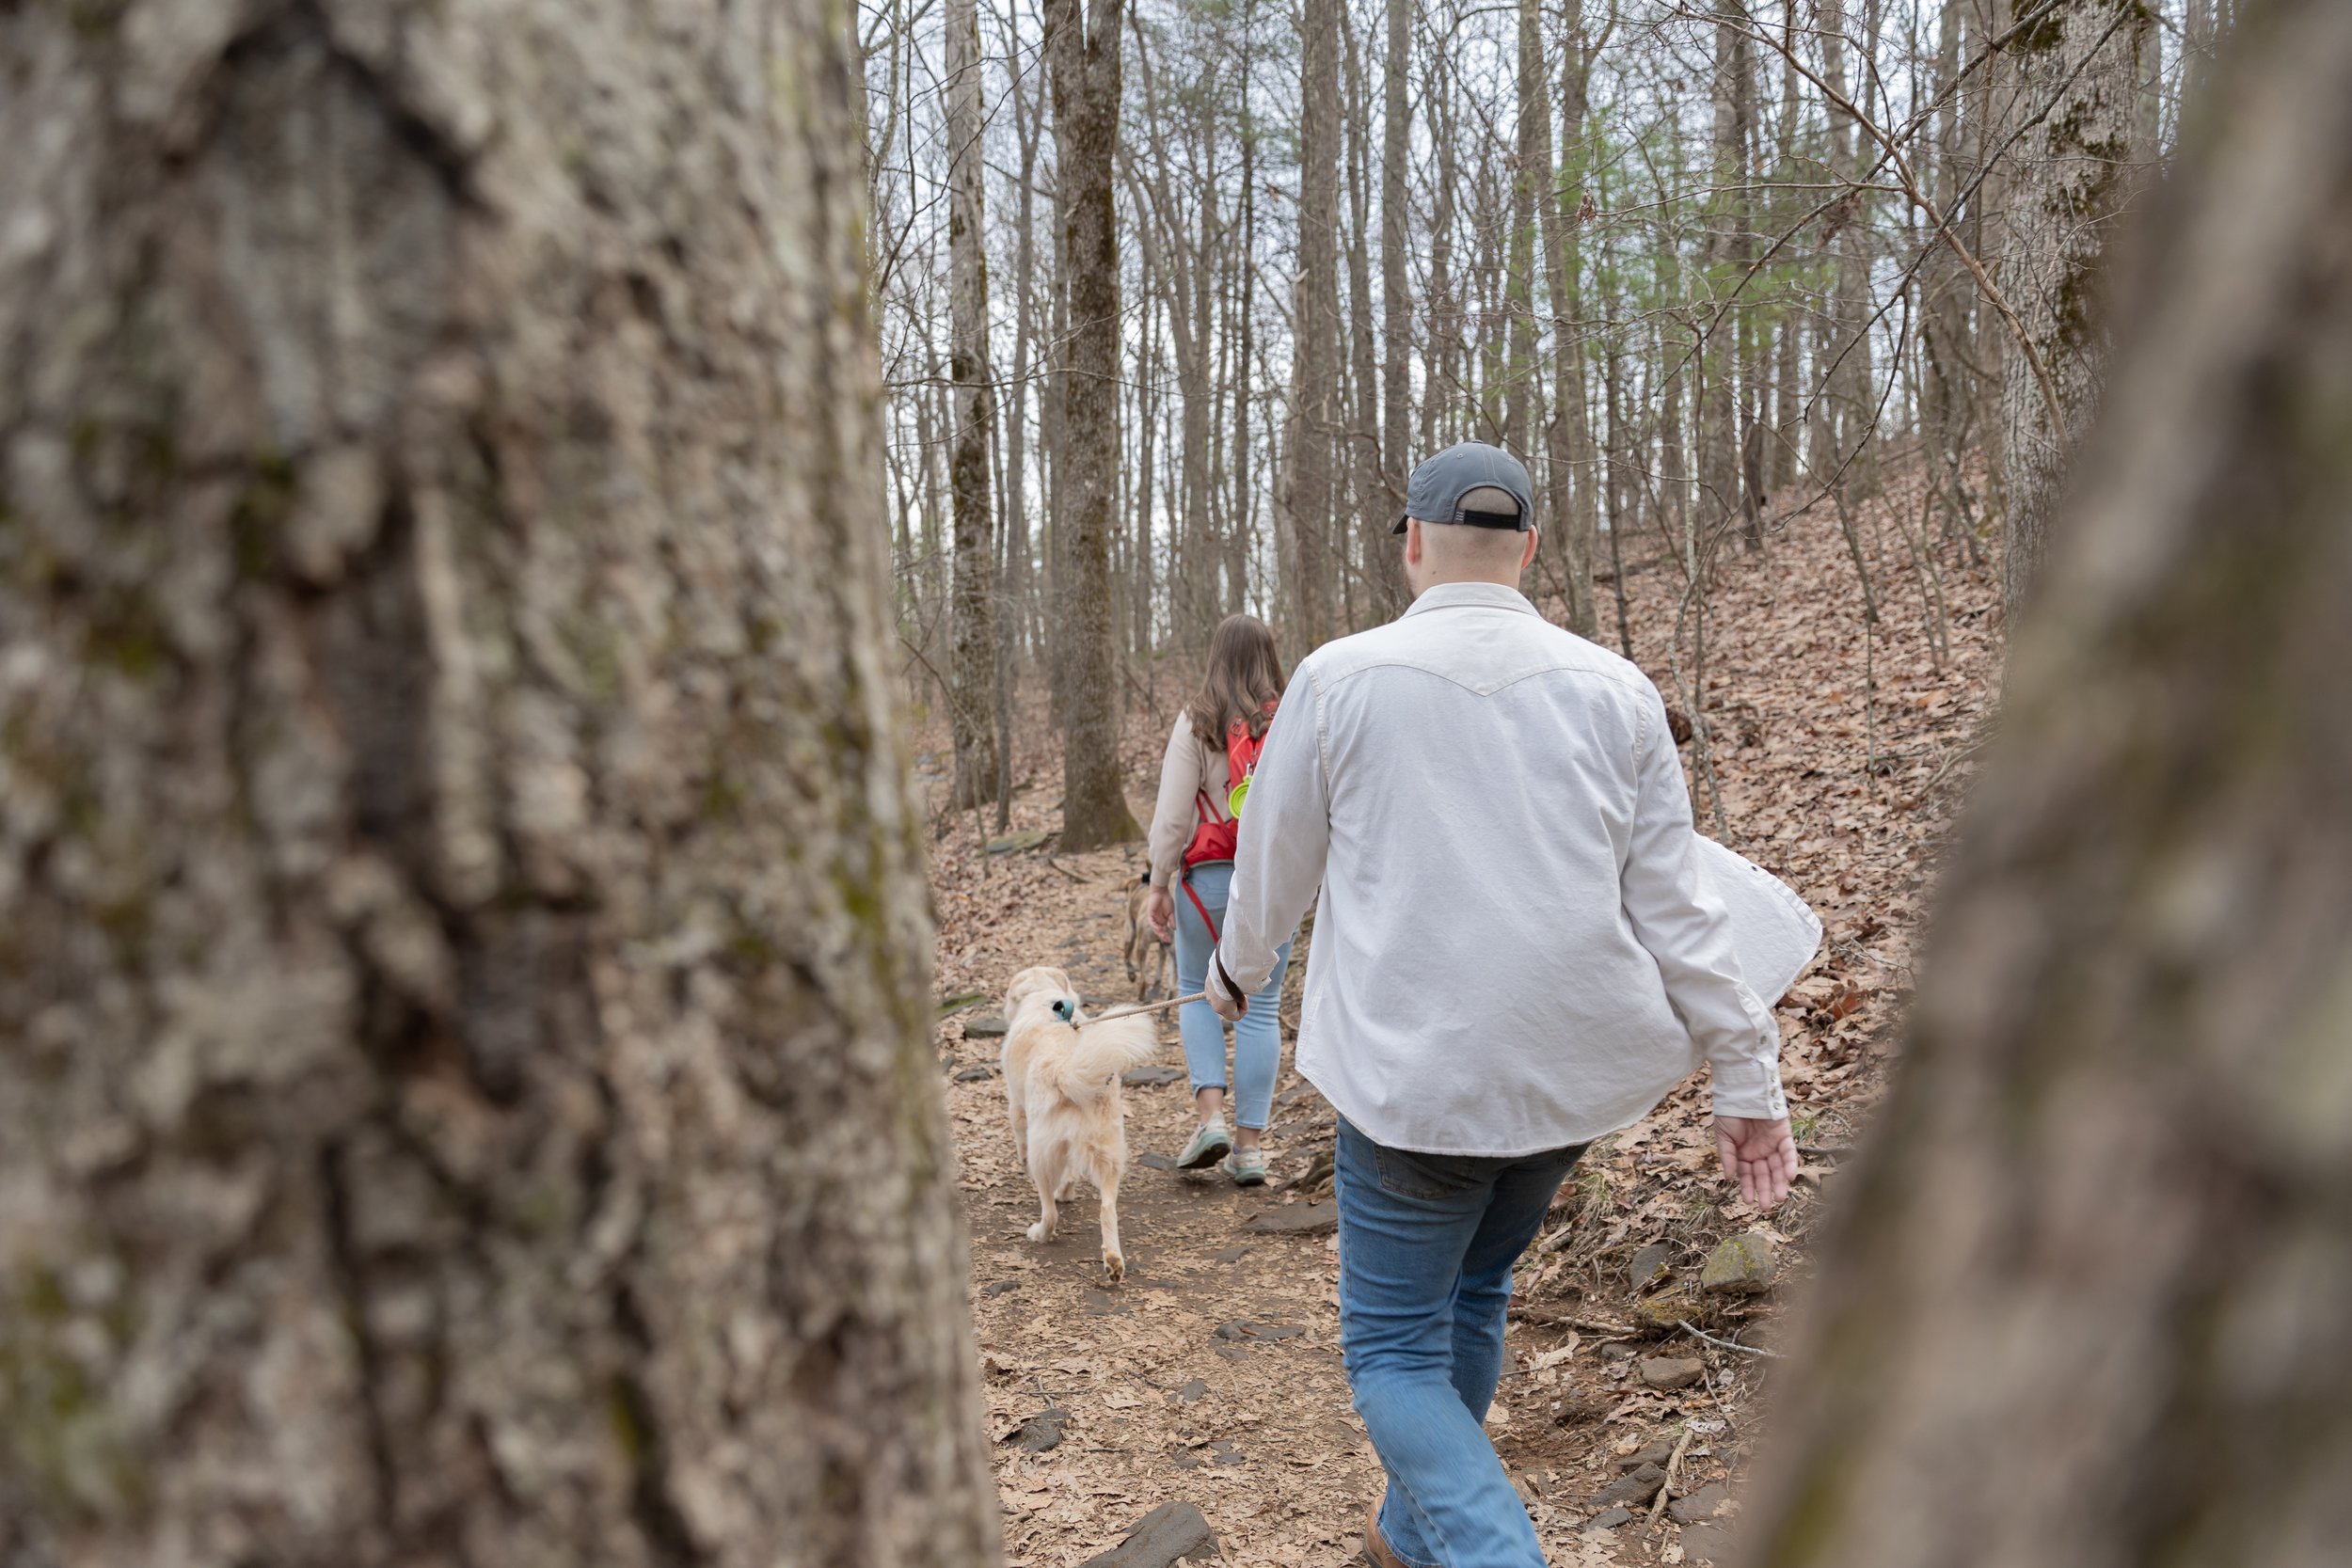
{"x":1145,"y":950}
{"x":1061,"y":1093}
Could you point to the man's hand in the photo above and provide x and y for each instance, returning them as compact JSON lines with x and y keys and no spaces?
{"x":1159,"y":912}
{"x":1760,"y":1155}
{"x":1226,"y":1006}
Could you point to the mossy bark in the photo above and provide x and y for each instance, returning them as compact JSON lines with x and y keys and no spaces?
{"x":463,"y":1088}
{"x":2084,"y":1304}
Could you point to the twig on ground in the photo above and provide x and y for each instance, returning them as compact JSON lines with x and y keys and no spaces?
{"x":1666,"y":1487}
{"x":1543,"y":1319}
{"x":1073,"y":876}
{"x":1728,"y":1344}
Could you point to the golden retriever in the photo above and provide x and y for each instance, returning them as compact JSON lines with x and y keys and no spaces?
{"x":1061,"y":1093}
{"x":1147,"y":955}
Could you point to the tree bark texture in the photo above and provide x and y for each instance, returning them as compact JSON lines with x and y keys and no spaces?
{"x":972,"y":671}
{"x":1312,"y":487}
{"x":1383,"y":564}
{"x":2073,"y":180}
{"x":1082,"y":51}
{"x":1396,"y":295}
{"x":1569,"y":449}
{"x":464,"y":1084}
{"x":2084,"y":1303}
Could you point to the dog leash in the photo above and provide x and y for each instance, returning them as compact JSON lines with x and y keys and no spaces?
{"x":1138,"y":1010}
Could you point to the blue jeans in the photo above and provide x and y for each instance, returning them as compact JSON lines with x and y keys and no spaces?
{"x":1257,"y":1038}
{"x":1426,"y":1244}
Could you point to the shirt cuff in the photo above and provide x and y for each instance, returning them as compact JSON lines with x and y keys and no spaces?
{"x":1217,"y":982}
{"x":1750,"y":1087}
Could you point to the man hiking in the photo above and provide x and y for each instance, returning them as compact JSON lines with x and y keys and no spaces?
{"x":1518,"y":951}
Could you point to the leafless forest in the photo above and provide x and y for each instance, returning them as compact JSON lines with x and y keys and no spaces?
{"x":1709,"y":271}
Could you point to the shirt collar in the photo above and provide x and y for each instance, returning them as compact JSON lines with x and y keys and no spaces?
{"x":1458,"y":595}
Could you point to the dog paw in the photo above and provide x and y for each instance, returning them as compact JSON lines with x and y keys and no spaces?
{"x":1114,"y":1267}
{"x":1038,"y":1231}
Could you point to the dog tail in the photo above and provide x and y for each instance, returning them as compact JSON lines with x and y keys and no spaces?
{"x":1103,"y":1051}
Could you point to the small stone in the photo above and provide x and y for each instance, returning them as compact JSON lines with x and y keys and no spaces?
{"x":1155,"y":1160}
{"x":1040,"y":1431}
{"x":1170,"y":1533}
{"x":1667,"y":1373}
{"x":1740,"y":1266}
{"x":1699,"y":1505}
{"x":1233,"y":1353}
{"x":988,"y":1026}
{"x":1706,"y":1544}
{"x":1296,"y":1219}
{"x":1614,"y":1352}
{"x":1191,"y":1393}
{"x":1657,"y":1453}
{"x":1639,"y":1487}
{"x":976,"y":1075}
{"x":1648,"y":1263}
{"x":1151,"y":1077}
{"x":1001,"y":1286}
{"x":1277,"y":1331}
{"x":1013,"y":843}
{"x":1608,"y":1519}
{"x":1228,"y":1255}
{"x":1235,"y":1330}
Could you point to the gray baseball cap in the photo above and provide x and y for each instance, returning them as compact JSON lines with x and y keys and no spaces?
{"x":1441,"y":489}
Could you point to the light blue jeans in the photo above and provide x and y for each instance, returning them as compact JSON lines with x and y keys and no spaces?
{"x":1426,"y":1244}
{"x":1257,"y":1038}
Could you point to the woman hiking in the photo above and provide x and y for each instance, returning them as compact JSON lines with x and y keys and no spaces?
{"x":1212,"y":750}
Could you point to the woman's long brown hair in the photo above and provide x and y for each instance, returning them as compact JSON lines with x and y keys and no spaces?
{"x":1245,"y":674}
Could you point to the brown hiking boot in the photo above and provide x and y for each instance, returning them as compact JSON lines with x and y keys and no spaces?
{"x":1376,"y":1549}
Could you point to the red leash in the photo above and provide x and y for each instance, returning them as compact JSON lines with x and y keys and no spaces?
{"x":1213,"y":937}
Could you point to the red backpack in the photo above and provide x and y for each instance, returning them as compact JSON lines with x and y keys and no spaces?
{"x":1214,"y":838}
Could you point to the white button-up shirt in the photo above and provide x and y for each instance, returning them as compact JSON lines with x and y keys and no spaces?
{"x":1516,"y":949}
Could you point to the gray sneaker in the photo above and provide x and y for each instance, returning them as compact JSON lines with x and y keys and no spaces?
{"x":1210,"y":1143}
{"x":1246,"y":1166}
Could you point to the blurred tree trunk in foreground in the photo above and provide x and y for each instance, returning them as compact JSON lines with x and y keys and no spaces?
{"x":463,"y":1084}
{"x":2085,"y":1306}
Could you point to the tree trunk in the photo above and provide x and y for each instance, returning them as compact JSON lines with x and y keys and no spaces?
{"x":1530,"y":180}
{"x":1850,"y":410}
{"x":1082,"y":51}
{"x":1396,"y":296}
{"x":463,"y":956}
{"x":1243,"y":315}
{"x":1311,"y":486}
{"x":2072,"y":180}
{"x":2083,"y":1305}
{"x":972,"y":671}
{"x":1718,"y":424}
{"x":1383,"y":566}
{"x":1569,"y":446}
